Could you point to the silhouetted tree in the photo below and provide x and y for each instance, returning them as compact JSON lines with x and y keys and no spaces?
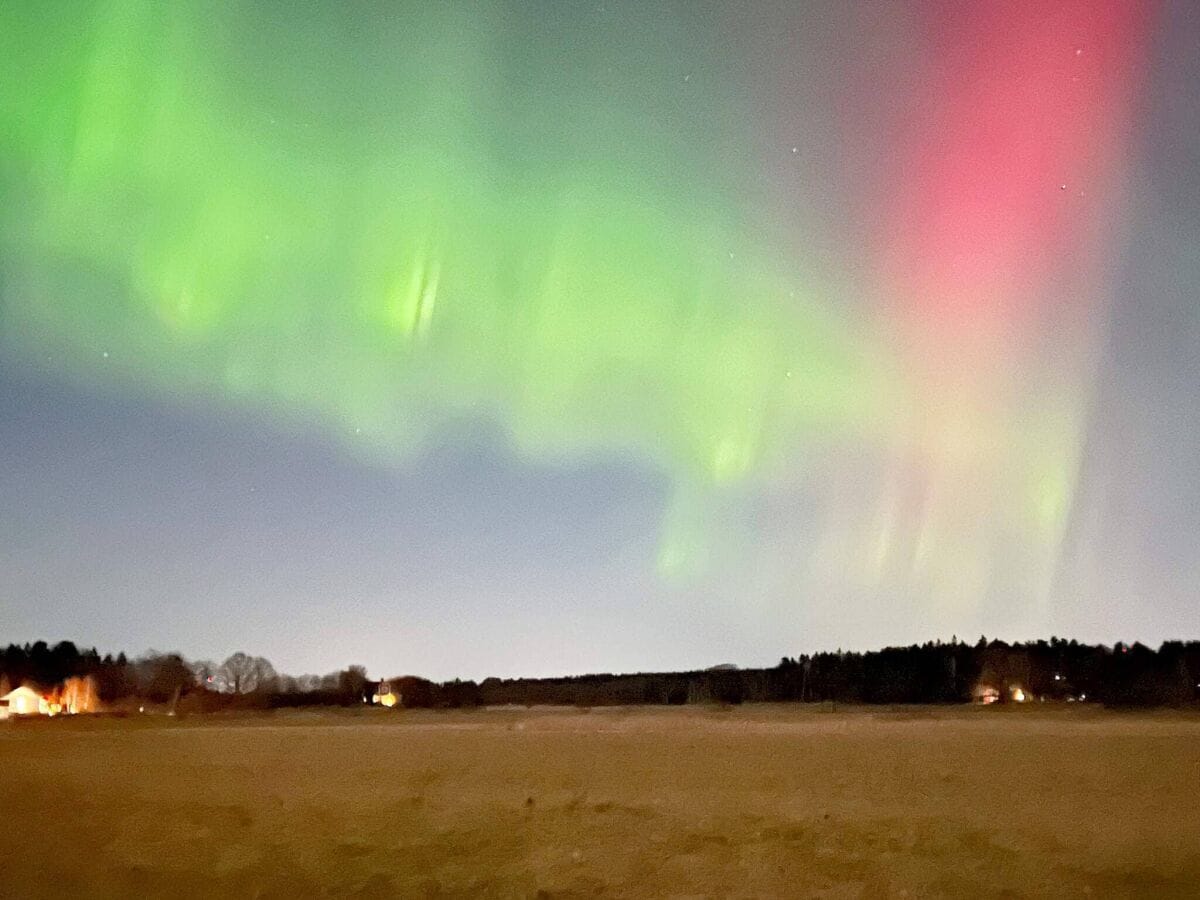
{"x":162,"y":677}
{"x":245,"y":674}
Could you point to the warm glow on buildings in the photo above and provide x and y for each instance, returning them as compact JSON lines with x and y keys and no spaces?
{"x":75,"y":695}
{"x":25,"y":701}
{"x":384,"y":696}
{"x":78,"y":695}
{"x":986,"y":694}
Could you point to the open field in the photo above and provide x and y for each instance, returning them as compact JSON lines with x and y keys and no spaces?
{"x":747,"y":802}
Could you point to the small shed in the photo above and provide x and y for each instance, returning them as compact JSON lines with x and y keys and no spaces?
{"x":24,"y":701}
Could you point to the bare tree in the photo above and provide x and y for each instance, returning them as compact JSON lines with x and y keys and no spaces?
{"x":266,"y":678}
{"x":162,"y":676}
{"x":308,"y":683}
{"x":245,"y":674}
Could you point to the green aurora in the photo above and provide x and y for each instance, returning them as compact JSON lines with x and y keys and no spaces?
{"x":463,"y":211}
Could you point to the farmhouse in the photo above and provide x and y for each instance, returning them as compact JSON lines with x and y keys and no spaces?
{"x":24,"y":701}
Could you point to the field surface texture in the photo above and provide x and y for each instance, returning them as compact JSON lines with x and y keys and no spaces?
{"x":756,"y":801}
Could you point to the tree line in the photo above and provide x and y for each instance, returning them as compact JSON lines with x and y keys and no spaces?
{"x":241,"y":681}
{"x":934,"y":672}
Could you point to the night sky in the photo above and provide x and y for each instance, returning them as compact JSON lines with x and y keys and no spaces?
{"x":549,"y":337}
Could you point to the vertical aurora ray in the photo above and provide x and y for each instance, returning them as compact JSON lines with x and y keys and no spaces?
{"x":992,"y":266}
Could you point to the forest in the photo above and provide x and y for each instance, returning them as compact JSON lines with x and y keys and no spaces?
{"x":934,"y":672}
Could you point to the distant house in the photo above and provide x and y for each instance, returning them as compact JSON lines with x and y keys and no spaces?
{"x":384,"y":695}
{"x":24,"y":701}
{"x":985,"y":693}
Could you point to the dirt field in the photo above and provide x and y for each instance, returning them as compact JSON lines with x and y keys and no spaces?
{"x":687,"y":802}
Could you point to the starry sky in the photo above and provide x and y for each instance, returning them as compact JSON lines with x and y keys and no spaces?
{"x":549,"y":337}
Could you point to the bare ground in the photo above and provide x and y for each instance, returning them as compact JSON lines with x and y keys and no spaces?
{"x":691,"y":802}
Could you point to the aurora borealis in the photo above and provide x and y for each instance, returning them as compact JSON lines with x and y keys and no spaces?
{"x":488,"y":337}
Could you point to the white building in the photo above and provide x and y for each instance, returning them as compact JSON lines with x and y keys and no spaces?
{"x":24,"y":701}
